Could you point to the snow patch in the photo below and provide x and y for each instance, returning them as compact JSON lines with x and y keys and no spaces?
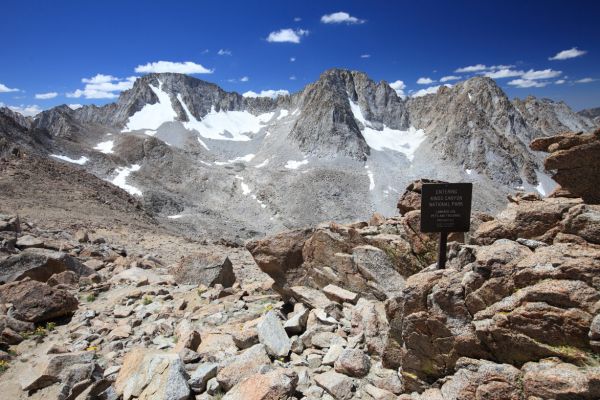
{"x":282,"y":114}
{"x":469,"y":171}
{"x":174,"y":216}
{"x":202,"y":143}
{"x":121,"y":179}
{"x":371,"y":178}
{"x":152,"y":116}
{"x":105,"y":147}
{"x":291,"y":164}
{"x":81,"y":160}
{"x":470,"y":97}
{"x":545,"y":183}
{"x":225,"y":125}
{"x":405,"y":142}
{"x":150,"y":132}
{"x":246,"y":158}
{"x":262,"y":164}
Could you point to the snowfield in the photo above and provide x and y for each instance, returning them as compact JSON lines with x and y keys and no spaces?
{"x":405,"y":142}
{"x":291,"y":164}
{"x":105,"y":147}
{"x":121,"y":179}
{"x":81,"y":160}
{"x":152,"y":116}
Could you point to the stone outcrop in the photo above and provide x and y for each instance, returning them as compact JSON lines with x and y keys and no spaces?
{"x":574,"y":162}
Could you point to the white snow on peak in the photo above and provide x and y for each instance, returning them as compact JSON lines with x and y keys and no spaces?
{"x":262,"y":164}
{"x":371,"y":178}
{"x":152,"y":116}
{"x":81,"y":160}
{"x":121,"y":179}
{"x":246,"y":158}
{"x":177,"y":216}
{"x":405,"y":142}
{"x":291,"y":164}
{"x":225,"y":125}
{"x":282,"y":114}
{"x":149,"y":132}
{"x":105,"y":147}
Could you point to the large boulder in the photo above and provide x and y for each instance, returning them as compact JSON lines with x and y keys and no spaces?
{"x":151,"y":374}
{"x":242,"y":366}
{"x":575,"y":162}
{"x":34,"y":301}
{"x":273,"y":336}
{"x":39,"y":265}
{"x":204,"y":268}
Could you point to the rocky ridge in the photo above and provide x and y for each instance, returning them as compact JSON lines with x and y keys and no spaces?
{"x":339,"y":311}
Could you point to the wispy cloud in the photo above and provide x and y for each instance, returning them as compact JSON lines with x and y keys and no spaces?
{"x":341,"y":17}
{"x":6,"y":89}
{"x":425,"y":81}
{"x":46,"y":96}
{"x":103,"y":87}
{"x":267,"y":93}
{"x":566,"y":54}
{"x":585,"y":80}
{"x":527,"y":83}
{"x":450,"y":78}
{"x":471,"y":68}
{"x":287,"y":35}
{"x":244,"y":79}
{"x":292,"y":59}
{"x":297,"y":19}
{"x":224,"y":52}
{"x":559,"y":82}
{"x":293,"y":78}
{"x":503,"y":73}
{"x":187,"y":67}
{"x":542,"y":74}
{"x":399,"y":87}
{"x":365,"y":56}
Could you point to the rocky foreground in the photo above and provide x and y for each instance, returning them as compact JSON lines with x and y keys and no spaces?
{"x":355,"y":311}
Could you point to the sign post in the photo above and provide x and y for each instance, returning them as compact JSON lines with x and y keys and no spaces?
{"x":445,"y":208}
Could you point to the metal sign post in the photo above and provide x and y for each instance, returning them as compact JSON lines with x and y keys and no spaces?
{"x":445,"y":208}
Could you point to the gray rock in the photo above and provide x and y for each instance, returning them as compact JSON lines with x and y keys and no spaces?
{"x":273,"y":336}
{"x":39,"y":265}
{"x":200,"y":377}
{"x":296,"y":324}
{"x":337,"y":385}
{"x":339,"y":294}
{"x":28,"y":241}
{"x":332,"y":354}
{"x":353,"y":362}
{"x":206,"y":269}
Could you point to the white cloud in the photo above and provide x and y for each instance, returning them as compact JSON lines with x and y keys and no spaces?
{"x":503,"y":73}
{"x":365,"y":56}
{"x":6,"y":89}
{"x":585,"y":80}
{"x":429,"y":90}
{"x":472,"y":68}
{"x":297,"y":19}
{"x":450,"y":78}
{"x":103,"y":87}
{"x":75,"y":106}
{"x":224,"y":52}
{"x":399,"y":87}
{"x":340,"y":17}
{"x":28,"y":111}
{"x":292,"y":59}
{"x":287,"y":35}
{"x":425,"y":81}
{"x":566,"y":54}
{"x":244,"y":79}
{"x":527,"y":83}
{"x":542,"y":74}
{"x":267,"y":93}
{"x":559,"y":82}
{"x":293,"y":78}
{"x":46,"y":96}
{"x":186,"y":67}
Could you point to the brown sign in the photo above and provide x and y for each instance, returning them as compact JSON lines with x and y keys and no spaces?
{"x":446,"y":207}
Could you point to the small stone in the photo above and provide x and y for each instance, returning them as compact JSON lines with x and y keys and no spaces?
{"x":314,"y":360}
{"x":340,"y":295}
{"x":28,"y":241}
{"x":332,"y":354}
{"x":379,"y":394}
{"x":296,"y":324}
{"x":353,"y":362}
{"x":338,"y":385}
{"x":82,"y":236}
{"x":122,"y":311}
{"x":212,"y":386}
{"x":200,"y":377}
{"x":273,"y":336}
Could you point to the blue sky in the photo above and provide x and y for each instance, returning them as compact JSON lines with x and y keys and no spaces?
{"x":86,"y":51}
